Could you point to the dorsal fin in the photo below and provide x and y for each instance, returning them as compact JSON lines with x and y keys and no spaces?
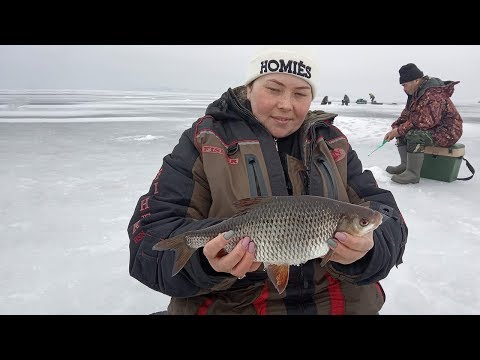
{"x":244,"y":205}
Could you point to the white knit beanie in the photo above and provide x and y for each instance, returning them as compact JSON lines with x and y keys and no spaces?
{"x":292,"y":60}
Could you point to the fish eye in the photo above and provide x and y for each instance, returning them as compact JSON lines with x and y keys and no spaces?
{"x":364,"y":222}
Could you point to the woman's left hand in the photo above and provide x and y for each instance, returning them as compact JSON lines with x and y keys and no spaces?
{"x":350,"y":248}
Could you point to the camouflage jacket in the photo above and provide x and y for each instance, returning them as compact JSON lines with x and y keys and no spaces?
{"x":430,"y":108}
{"x":228,"y":155}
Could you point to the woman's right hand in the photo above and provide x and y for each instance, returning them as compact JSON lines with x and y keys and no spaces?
{"x":238,"y":262}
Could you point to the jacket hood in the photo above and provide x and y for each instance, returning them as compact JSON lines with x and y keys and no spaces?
{"x":431,"y":82}
{"x":231,"y":104}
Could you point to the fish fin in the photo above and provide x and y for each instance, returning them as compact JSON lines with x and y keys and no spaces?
{"x":278,"y":275}
{"x":327,"y":257}
{"x":244,"y":205}
{"x":183,"y":252}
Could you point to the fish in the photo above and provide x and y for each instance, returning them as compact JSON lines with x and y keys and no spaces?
{"x":287,"y":230}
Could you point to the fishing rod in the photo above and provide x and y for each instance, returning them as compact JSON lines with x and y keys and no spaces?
{"x":378,"y":147}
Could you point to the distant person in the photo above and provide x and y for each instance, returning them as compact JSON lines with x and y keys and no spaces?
{"x":262,"y":139}
{"x":325,"y":100}
{"x":345,"y":100}
{"x":429,"y":119}
{"x":372,"y":98}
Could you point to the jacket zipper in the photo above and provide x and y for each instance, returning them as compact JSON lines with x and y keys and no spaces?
{"x":302,"y":277}
{"x":308,"y":160}
{"x":301,"y":287}
{"x":256,"y":181}
{"x":253,"y":164}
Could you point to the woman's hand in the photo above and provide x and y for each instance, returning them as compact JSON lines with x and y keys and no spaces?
{"x":238,"y":262}
{"x":349,"y":248}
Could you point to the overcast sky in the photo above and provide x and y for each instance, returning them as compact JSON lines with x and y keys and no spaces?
{"x":356,"y":70}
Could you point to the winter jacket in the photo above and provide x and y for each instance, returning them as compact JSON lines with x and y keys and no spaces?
{"x":228,"y":155}
{"x":430,"y":108}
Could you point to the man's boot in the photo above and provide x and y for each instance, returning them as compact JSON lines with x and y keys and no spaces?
{"x":402,"y":149}
{"x":414,"y":167}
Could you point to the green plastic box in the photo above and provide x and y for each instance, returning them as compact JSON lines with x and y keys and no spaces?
{"x":442,"y":164}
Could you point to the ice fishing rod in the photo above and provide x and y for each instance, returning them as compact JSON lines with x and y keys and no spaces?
{"x":378,"y":147}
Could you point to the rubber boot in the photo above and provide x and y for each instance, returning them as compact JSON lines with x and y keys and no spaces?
{"x":403,"y":161}
{"x":414,"y":167}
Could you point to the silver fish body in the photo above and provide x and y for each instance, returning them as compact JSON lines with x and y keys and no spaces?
{"x":287,"y":230}
{"x":291,"y":229}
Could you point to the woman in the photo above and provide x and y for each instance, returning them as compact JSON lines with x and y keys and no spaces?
{"x":261,"y":139}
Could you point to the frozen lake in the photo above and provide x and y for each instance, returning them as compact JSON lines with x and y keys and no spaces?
{"x":74,"y":163}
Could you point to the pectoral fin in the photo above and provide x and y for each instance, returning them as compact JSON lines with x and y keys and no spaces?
{"x":327,"y":257}
{"x":278,"y":275}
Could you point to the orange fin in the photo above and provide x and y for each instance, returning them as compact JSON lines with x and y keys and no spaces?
{"x":327,"y":257}
{"x":243,"y":205}
{"x":278,"y":275}
{"x":183,"y":252}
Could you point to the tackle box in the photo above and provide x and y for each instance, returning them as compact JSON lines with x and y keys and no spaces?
{"x":442,"y":163}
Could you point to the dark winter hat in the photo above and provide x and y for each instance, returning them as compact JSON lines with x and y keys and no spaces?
{"x":409,"y":72}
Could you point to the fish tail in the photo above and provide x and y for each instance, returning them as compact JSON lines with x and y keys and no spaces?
{"x":183,"y":252}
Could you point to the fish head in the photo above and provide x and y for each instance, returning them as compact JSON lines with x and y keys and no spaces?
{"x":359,"y":222}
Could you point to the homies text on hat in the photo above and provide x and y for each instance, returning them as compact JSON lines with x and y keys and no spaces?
{"x":287,"y":60}
{"x":280,"y":66}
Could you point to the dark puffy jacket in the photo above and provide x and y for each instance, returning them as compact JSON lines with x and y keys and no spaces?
{"x":228,"y":155}
{"x":430,"y":108}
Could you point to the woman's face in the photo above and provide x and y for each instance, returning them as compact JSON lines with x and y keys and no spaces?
{"x":280,"y":102}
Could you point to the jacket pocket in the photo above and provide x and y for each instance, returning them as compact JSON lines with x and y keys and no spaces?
{"x":256,"y":181}
{"x":326,"y":173}
{"x":145,"y":269}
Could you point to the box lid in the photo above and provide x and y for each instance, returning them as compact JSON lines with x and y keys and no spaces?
{"x":455,"y":150}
